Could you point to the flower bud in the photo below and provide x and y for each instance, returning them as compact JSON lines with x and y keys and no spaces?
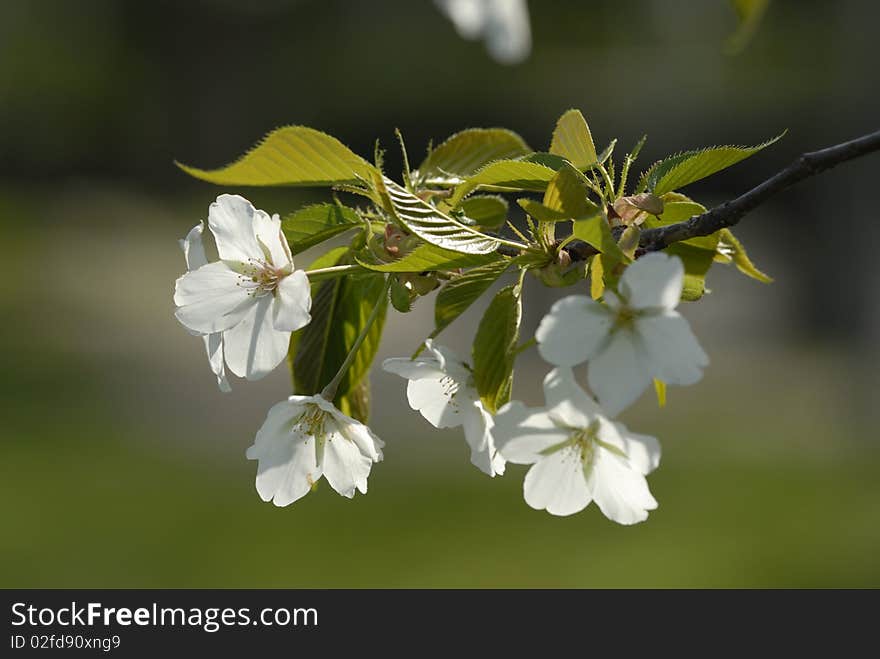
{"x":632,"y":210}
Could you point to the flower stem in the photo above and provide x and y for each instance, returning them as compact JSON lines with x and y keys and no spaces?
{"x":329,"y":392}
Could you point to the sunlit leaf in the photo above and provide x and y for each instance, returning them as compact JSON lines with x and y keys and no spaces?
{"x":572,"y":139}
{"x":596,"y":232}
{"x":486,"y":211}
{"x":464,"y":153}
{"x":597,"y":281}
{"x":551,"y":160}
{"x":567,"y":194}
{"x":312,"y":225}
{"x":730,"y":247}
{"x":682,"y":169}
{"x":293,"y":155}
{"x":540,"y":212}
{"x":432,"y":225}
{"x":426,"y":258}
{"x":505,"y":175}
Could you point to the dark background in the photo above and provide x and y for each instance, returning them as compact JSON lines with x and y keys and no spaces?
{"x":123,"y":466}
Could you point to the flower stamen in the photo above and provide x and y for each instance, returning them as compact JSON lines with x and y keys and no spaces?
{"x":260,"y":277}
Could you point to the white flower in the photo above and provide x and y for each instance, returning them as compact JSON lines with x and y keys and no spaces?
{"x":441,"y":388}
{"x":306,"y":437}
{"x":634,"y":337}
{"x":504,"y":24}
{"x":194,"y":253}
{"x":252,"y":296}
{"x":577,"y":454}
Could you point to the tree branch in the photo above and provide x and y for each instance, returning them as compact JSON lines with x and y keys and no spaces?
{"x":731,"y":212}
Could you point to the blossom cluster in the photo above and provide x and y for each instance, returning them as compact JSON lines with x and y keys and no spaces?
{"x":247,"y":303}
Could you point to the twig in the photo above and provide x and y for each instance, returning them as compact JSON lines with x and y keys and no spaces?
{"x":731,"y":212}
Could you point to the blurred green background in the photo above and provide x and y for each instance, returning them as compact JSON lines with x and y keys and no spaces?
{"x":122,"y":465}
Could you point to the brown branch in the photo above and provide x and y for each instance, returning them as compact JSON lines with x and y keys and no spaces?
{"x":731,"y":212}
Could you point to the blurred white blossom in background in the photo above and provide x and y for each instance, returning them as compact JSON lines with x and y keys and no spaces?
{"x":502,"y":24}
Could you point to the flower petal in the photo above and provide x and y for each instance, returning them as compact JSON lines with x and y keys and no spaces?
{"x":209,"y":299}
{"x":620,"y":492}
{"x":619,"y":373}
{"x":556,"y":483}
{"x":449,"y":362}
{"x":270,"y":237}
{"x":521,"y":433}
{"x":642,"y":451}
{"x":413,"y":369}
{"x":478,"y":434}
{"x":193,"y":248}
{"x":567,"y":401}
{"x":439,"y":401}
{"x":573,"y":330}
{"x":673,"y":352}
{"x":214,"y":348}
{"x":254,"y":347}
{"x":346,"y":468}
{"x":288,"y":466}
{"x":653,"y":282}
{"x":353,"y":430}
{"x":293,"y":300}
{"x":231,"y":220}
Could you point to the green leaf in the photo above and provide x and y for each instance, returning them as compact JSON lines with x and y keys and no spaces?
{"x":329,"y":259}
{"x":607,"y":151}
{"x":425,"y":258}
{"x":312,"y":225}
{"x":340,"y":308}
{"x":572,"y":140}
{"x":464,"y":153}
{"x":505,"y":175}
{"x":460,"y":293}
{"x":595,"y":231}
{"x":356,"y":403}
{"x":679,"y":211}
{"x":697,"y":260}
{"x":541,"y":212}
{"x":495,"y":345}
{"x":293,"y":155}
{"x":697,"y":254}
{"x":401,"y":298}
{"x":732,"y":249}
{"x":432,"y":225}
{"x":682,"y":169}
{"x":567,"y":194}
{"x":551,"y":160}
{"x":486,"y":211}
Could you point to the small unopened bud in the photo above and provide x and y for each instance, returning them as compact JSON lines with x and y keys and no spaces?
{"x":393,"y":236}
{"x":557,"y":273}
{"x":563,"y":259}
{"x":632,"y":210}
